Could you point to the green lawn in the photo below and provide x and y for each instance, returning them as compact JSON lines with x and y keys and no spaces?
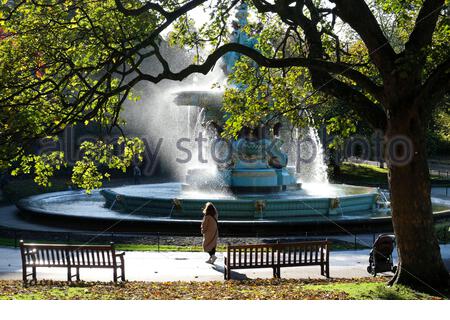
{"x":370,"y":291}
{"x":8,"y":242}
{"x":366,"y":174}
{"x":362,"y":174}
{"x":259,"y":289}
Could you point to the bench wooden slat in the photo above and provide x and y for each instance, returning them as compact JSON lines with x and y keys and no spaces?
{"x":69,"y":256}
{"x":52,"y":251}
{"x":77,"y":256}
{"x":72,"y":257}
{"x":90,"y":257}
{"x":58,"y":258}
{"x":278,"y":255}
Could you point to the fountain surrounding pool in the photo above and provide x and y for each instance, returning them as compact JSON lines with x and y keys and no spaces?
{"x":170,"y":200}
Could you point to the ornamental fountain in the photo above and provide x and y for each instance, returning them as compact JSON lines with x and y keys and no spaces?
{"x":251,"y":182}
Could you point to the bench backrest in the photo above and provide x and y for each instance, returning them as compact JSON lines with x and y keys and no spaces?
{"x":278,"y":254}
{"x":67,"y":255}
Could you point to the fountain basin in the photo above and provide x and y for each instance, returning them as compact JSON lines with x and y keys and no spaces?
{"x":174,"y":210}
{"x":171,"y":200}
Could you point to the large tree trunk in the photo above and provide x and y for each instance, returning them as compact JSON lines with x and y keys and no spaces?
{"x":420,"y":264}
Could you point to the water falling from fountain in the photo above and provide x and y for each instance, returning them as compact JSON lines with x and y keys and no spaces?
{"x":306,"y":155}
{"x":312,"y":163}
{"x":156,"y":117}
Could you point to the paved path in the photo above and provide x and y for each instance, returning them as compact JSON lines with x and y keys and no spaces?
{"x":190,"y":266}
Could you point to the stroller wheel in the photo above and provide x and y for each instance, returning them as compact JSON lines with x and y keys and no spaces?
{"x":394,"y":269}
{"x":369,"y":269}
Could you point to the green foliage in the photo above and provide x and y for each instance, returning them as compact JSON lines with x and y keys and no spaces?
{"x":439,"y":130}
{"x":41,"y":166}
{"x":86,"y":172}
{"x":443,"y":231}
{"x":265,"y":95}
{"x":186,"y":34}
{"x":59,"y":68}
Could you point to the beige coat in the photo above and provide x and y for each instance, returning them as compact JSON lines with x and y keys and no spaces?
{"x":210,"y":232}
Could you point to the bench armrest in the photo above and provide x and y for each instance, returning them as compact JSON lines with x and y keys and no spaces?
{"x":120,"y":254}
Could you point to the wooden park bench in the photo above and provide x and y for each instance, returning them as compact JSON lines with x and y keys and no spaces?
{"x":277,"y":256}
{"x":71,"y":257}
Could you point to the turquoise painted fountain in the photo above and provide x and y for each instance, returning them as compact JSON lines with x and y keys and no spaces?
{"x":251,"y":180}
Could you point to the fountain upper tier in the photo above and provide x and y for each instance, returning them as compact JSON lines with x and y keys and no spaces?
{"x":253,"y":162}
{"x":203,"y":99}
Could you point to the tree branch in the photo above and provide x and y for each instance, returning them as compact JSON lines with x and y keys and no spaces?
{"x":146,"y":7}
{"x":370,"y":111}
{"x":358,"y":15}
{"x":340,"y":69}
{"x":425,"y":24}
{"x":436,"y":85}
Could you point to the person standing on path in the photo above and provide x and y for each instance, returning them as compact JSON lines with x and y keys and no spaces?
{"x":210,"y":231}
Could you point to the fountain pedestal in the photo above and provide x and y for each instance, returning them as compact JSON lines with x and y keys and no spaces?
{"x":244,"y":180}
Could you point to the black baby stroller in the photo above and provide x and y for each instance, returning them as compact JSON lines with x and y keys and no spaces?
{"x":380,"y":258}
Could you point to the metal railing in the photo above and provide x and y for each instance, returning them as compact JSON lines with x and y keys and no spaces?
{"x":160,"y":240}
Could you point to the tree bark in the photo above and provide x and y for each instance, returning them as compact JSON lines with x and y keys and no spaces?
{"x":420,"y":264}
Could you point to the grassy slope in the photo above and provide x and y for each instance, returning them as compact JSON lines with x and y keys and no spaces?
{"x":366,"y":174}
{"x":362,"y":174}
{"x":272,"y":289}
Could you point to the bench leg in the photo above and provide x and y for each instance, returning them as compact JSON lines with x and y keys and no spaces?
{"x":78,"y":274}
{"x":277,"y":272}
{"x":327,"y":273}
{"x":115,"y":275}
{"x":322,"y":271}
{"x":34,"y":275}
{"x":228,"y":274}
{"x":123,"y":272}
{"x":69,"y":274}
{"x":24,"y":275}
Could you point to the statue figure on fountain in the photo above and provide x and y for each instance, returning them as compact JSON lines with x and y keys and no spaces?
{"x":257,"y":159}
